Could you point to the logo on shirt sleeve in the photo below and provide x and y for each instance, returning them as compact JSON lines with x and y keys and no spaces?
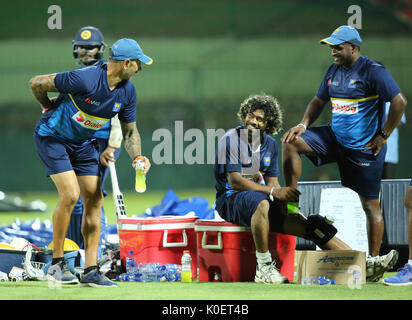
{"x":266,"y":161}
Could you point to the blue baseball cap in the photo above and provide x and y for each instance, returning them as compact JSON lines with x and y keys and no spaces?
{"x":129,"y":49}
{"x":343,"y":34}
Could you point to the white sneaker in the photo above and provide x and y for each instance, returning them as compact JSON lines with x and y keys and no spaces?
{"x":377,"y":266}
{"x":268,"y":273}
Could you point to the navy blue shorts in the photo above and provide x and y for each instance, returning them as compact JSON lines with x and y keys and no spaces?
{"x":239,"y":207}
{"x":359,"y":170}
{"x":59,"y":156}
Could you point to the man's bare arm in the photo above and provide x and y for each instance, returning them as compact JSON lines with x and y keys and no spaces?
{"x":397,"y":109}
{"x":132,"y":144}
{"x":239,"y":183}
{"x":313,"y":110}
{"x":131,"y":139}
{"x":40,"y":86}
{"x":273,"y":182}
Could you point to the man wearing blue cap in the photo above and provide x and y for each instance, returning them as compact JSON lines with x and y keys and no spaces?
{"x":89,"y":97}
{"x":358,"y":88}
{"x":88,"y":50}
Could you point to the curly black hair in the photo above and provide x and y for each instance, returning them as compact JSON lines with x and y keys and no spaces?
{"x":269,"y":105}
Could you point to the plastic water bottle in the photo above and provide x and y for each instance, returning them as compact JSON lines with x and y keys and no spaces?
{"x":130,"y":263}
{"x":322,"y":280}
{"x":174,"y":272}
{"x":317,"y":280}
{"x":162,"y":273}
{"x":123,"y":277}
{"x":150,"y":272}
{"x":140,"y":185}
{"x":186,"y":266}
{"x":293,"y":207}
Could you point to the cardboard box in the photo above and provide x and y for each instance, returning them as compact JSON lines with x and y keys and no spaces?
{"x":345,"y":267}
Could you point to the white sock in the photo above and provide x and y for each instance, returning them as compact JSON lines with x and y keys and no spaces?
{"x":263,"y":258}
{"x":410,"y":262}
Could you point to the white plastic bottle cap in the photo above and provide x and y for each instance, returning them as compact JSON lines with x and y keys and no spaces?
{"x":329,"y":219}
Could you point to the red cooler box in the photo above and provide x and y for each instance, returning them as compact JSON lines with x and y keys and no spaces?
{"x":226,"y":252}
{"x":158,"y":239}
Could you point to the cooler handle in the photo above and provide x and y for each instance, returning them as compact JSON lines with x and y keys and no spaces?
{"x":218,"y":246}
{"x":174,"y":244}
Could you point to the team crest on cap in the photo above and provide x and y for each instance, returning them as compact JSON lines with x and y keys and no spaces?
{"x":86,"y":34}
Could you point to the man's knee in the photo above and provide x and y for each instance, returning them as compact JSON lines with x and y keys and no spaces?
{"x":69,"y":198}
{"x":290,"y":148}
{"x":93,"y":198}
{"x":299,"y":146}
{"x":371,"y":206}
{"x":262,"y":208}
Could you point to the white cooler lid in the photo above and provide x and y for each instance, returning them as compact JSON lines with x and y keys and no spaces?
{"x":219,"y":225}
{"x":156,"y":223}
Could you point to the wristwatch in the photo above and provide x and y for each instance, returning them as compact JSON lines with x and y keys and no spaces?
{"x":384,"y":135}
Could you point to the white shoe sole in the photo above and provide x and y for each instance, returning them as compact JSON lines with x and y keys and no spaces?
{"x":53,"y":279}
{"x":94,"y":285}
{"x":397,"y":284}
{"x":259,"y":280}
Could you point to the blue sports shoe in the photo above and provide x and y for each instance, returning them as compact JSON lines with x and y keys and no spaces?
{"x":59,"y":273}
{"x":95,"y":279}
{"x":403,"y":278}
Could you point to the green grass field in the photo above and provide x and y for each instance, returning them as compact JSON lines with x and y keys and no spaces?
{"x":136,"y":204}
{"x":201,"y":291}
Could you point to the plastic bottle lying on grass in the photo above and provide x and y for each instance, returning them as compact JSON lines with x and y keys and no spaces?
{"x":152,"y":272}
{"x":317,"y":281}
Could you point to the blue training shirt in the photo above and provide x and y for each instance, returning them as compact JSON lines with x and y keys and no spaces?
{"x":235,"y":155}
{"x":104,"y":132}
{"x":392,"y":153}
{"x":358,"y":95}
{"x":86,"y":104}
